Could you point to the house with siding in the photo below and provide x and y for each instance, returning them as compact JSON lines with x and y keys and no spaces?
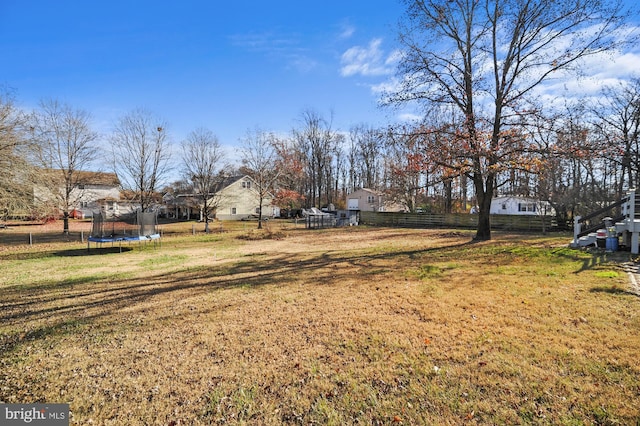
{"x":238,"y":199}
{"x":369,"y":200}
{"x":517,"y":205}
{"x":89,"y":191}
{"x":235,"y":198}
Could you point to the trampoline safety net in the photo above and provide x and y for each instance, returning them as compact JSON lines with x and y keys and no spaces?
{"x":137,"y":224}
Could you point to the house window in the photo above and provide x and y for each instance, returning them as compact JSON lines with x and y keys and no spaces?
{"x":257,"y":210}
{"x":246,"y":184}
{"x":526,"y":207}
{"x":371,"y":199}
{"x":233,"y":210}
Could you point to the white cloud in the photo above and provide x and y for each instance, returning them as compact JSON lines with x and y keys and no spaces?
{"x":368,"y":61}
{"x":409,"y":117}
{"x":594,"y":72}
{"x":266,"y":42}
{"x":346,"y":30}
{"x":597,"y":72}
{"x":287,"y":48}
{"x":390,"y":85}
{"x":302,"y":63}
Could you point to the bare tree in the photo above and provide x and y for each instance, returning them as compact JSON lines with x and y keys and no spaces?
{"x":202,"y":158}
{"x":259,"y":162}
{"x":16,"y":191}
{"x":338,"y":173}
{"x":367,"y":143}
{"x":66,"y":146}
{"x":141,"y":154}
{"x":618,"y":121}
{"x":486,"y":58}
{"x":315,"y":141}
{"x":406,"y":170}
{"x":290,"y":164}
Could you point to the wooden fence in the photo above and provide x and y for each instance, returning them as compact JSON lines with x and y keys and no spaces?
{"x":524,"y":223}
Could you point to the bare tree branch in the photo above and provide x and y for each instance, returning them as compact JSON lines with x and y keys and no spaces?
{"x":485,"y":58}
{"x":141,"y":153}
{"x":66,"y":147}
{"x":202,"y":158}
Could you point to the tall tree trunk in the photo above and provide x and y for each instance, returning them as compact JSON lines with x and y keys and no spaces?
{"x":484,"y":193}
{"x":463,"y":188}
{"x":65,"y":221}
{"x":448,"y":194}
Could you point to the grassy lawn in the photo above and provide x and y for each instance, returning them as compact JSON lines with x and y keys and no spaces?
{"x":345,"y":326}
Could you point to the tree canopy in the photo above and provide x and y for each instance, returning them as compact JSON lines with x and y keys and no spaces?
{"x":482,"y":62}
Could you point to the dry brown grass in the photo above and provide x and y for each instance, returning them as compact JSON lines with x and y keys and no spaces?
{"x":349,"y":326}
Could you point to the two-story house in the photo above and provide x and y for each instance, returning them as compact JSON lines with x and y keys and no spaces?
{"x":89,"y":192}
{"x":368,"y":200}
{"x":235,"y":198}
{"x":238,"y":199}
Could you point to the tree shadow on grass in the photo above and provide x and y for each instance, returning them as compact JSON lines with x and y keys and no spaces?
{"x":91,"y":252}
{"x":614,"y":290}
{"x":60,"y":305}
{"x":43,"y":254}
{"x":591,"y":259}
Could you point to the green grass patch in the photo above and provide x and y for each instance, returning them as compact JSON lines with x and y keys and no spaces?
{"x":162,"y":260}
{"x":607,"y":274}
{"x":433,"y":271}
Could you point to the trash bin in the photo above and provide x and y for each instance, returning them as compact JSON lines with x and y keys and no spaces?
{"x":611,"y":244}
{"x":601,"y":238}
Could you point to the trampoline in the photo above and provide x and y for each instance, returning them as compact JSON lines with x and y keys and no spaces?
{"x":137,"y":226}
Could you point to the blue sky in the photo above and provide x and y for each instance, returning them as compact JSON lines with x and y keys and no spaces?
{"x":226,"y":66}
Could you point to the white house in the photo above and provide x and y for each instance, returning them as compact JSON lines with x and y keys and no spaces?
{"x":90,"y":190}
{"x":521,"y":206}
{"x":368,"y":200}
